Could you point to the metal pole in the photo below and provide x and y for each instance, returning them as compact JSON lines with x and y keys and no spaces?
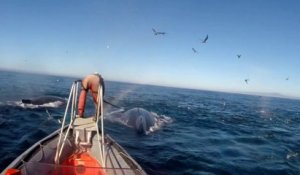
{"x":72,"y":117}
{"x":102,"y":125}
{"x":62,"y":126}
{"x":99,"y":107}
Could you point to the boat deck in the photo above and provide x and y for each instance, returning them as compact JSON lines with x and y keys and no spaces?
{"x":84,"y":124}
{"x":78,"y":148}
{"x":39,"y":159}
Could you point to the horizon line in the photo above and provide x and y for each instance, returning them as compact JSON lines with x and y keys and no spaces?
{"x":265,"y":94}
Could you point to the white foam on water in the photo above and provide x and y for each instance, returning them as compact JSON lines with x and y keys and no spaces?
{"x":291,"y":155}
{"x":160,"y":121}
{"x":55,"y":104}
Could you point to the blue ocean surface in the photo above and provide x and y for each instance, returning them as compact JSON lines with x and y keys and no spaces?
{"x":200,"y":132}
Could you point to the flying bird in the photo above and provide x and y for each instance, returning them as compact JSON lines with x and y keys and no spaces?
{"x":205,"y":39}
{"x":239,"y":56}
{"x":195,"y":51}
{"x":246,"y":80}
{"x":287,"y":78}
{"x":158,"y":33}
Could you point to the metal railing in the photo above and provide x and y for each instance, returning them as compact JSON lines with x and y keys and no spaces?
{"x":70,"y":112}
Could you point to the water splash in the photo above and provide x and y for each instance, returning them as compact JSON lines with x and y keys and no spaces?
{"x":160,"y":121}
{"x":55,"y":104}
{"x":291,"y":155}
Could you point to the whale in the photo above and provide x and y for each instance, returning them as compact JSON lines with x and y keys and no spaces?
{"x":139,"y":119}
{"x":42,"y":100}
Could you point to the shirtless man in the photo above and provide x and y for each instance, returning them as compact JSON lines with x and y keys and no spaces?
{"x":89,"y":83}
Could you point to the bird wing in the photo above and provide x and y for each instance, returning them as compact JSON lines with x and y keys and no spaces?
{"x":206,"y":38}
{"x":154,"y":30}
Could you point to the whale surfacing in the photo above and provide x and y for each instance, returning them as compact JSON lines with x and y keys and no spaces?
{"x":43,"y":100}
{"x":139,"y":119}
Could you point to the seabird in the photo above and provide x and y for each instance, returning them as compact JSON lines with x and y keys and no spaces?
{"x":239,"y":56}
{"x":195,"y":51}
{"x":287,"y":78}
{"x":246,"y":80}
{"x":158,"y":33}
{"x":205,"y":39}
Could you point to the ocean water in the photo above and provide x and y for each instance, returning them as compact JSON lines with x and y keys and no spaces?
{"x":200,"y":132}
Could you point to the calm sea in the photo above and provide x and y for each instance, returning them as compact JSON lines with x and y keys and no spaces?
{"x":207,"y":132}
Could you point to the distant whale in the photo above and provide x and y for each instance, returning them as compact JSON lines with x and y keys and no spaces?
{"x":44,"y":100}
{"x":138,"y":118}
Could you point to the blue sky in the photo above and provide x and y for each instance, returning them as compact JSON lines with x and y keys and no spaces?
{"x":115,"y":38}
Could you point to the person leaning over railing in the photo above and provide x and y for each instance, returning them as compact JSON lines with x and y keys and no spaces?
{"x":89,"y":83}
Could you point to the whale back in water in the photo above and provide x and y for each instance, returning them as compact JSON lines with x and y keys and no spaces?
{"x":140,"y":119}
{"x":43,"y":100}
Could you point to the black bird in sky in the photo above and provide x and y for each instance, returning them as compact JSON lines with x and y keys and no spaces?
{"x":246,"y":80}
{"x":287,"y":78}
{"x":205,"y":39}
{"x":195,"y":51}
{"x":239,"y":56}
{"x":158,"y":33}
